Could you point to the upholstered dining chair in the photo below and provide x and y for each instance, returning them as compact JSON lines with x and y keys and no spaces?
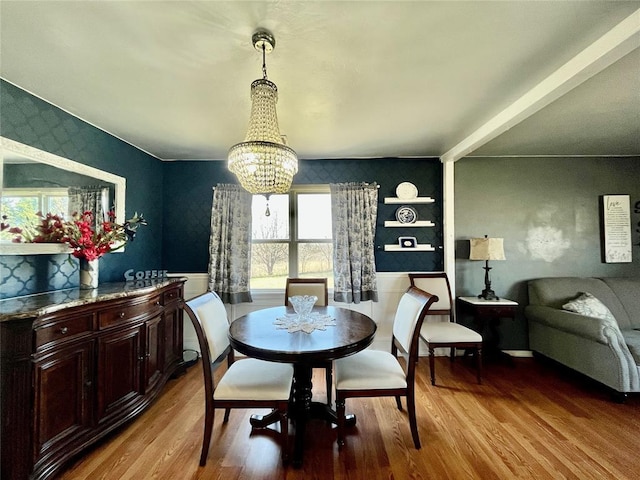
{"x":376,"y":373}
{"x":247,"y":383}
{"x":317,"y":287}
{"x":449,"y":333}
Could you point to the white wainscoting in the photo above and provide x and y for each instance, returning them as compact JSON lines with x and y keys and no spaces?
{"x":391,"y":286}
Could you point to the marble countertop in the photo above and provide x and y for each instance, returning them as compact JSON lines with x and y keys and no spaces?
{"x":31,"y":306}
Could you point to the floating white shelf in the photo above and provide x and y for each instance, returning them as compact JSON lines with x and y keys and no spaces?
{"x":417,"y":223}
{"x":408,"y":200}
{"x":418,"y":248}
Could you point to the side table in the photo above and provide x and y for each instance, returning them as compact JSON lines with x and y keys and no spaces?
{"x":488,"y":312}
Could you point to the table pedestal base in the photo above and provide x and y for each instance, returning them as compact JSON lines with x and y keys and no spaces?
{"x":301,"y":410}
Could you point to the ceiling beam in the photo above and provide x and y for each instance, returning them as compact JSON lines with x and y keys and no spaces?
{"x":612,"y":46}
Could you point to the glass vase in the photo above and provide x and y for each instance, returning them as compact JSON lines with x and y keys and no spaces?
{"x":89,"y":270}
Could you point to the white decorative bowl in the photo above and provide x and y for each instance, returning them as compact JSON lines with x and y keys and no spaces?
{"x":303,"y":304}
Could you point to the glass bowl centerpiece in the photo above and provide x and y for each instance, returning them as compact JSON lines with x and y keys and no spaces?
{"x":302,"y":305}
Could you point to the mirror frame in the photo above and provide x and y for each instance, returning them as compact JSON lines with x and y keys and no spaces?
{"x":65,"y":164}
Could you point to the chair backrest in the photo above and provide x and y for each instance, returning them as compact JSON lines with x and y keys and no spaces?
{"x":438,"y":284}
{"x":307,"y":286}
{"x":208,"y":312}
{"x":412,"y":308}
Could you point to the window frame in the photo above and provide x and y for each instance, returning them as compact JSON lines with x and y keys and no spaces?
{"x":43,"y":196}
{"x":293,"y":241}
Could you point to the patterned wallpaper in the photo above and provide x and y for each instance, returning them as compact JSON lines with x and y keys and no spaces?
{"x":188,"y":212}
{"x":26,"y":274}
{"x":32,"y":121}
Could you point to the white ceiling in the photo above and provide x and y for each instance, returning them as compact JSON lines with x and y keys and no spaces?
{"x":355,"y":78}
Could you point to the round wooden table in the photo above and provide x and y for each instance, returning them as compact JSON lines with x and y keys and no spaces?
{"x":255,"y":335}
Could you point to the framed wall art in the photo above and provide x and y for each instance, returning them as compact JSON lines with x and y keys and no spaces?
{"x":407,"y":242}
{"x":616,"y":229}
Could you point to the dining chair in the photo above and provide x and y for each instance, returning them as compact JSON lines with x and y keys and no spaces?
{"x":448,"y":333}
{"x":376,"y":373}
{"x":317,"y":287}
{"x":247,"y":383}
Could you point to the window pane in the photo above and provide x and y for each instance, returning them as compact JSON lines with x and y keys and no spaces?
{"x":20,"y":211}
{"x":274,"y":226}
{"x":58,"y":205}
{"x":315,"y":260}
{"x":269,"y":265}
{"x":314,"y":216}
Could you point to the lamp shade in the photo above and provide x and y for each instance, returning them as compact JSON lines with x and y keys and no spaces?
{"x":486,"y":249}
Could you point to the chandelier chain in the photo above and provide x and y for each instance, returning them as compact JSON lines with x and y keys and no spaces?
{"x":264,"y":62}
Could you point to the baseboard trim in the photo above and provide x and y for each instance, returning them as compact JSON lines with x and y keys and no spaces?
{"x":519,"y":353}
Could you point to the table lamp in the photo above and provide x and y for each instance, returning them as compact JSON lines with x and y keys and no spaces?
{"x":487,"y":249}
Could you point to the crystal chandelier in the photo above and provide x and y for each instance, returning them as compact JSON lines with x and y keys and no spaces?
{"x":263,"y":163}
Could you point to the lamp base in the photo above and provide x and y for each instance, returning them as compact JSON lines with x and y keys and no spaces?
{"x":488,"y":294}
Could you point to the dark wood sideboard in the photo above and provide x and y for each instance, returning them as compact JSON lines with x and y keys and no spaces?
{"x":76,"y":364}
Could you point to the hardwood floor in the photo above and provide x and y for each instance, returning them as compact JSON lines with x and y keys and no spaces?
{"x":531,"y":420}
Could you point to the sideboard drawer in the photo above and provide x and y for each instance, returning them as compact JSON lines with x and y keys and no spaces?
{"x":63,"y":329}
{"x":123,"y":313}
{"x":497,"y":311}
{"x":171,"y":296}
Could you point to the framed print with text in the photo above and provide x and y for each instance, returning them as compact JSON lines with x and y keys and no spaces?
{"x":616,"y":229}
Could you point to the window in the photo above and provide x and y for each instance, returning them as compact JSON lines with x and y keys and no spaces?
{"x":21,"y":206}
{"x":293,"y":239}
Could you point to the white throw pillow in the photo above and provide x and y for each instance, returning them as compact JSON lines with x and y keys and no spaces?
{"x":587,"y":304}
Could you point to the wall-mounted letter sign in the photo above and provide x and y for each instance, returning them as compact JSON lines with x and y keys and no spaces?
{"x":616,"y":217}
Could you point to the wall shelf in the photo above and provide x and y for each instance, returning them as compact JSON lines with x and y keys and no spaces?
{"x":418,"y":248}
{"x":408,"y":200}
{"x":417,"y":223}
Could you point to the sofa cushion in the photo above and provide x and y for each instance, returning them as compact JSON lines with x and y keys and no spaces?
{"x":627,"y":289}
{"x":556,"y":291}
{"x":587,"y":304}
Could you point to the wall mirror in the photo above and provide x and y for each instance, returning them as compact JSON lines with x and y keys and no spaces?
{"x":25,"y":170}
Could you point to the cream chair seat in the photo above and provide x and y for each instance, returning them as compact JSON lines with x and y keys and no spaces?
{"x":445,"y":334}
{"x":376,"y":373}
{"x":247,"y":383}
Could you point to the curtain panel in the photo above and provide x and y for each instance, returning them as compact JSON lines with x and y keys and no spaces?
{"x":354,"y":209}
{"x":230,"y":244}
{"x":93,"y":199}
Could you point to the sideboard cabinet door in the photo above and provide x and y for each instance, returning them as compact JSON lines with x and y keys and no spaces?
{"x":120,"y":357}
{"x":173,"y":336}
{"x":63,"y":398}
{"x":153,"y":365}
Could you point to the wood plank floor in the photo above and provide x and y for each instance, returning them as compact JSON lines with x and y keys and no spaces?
{"x":529,"y":420}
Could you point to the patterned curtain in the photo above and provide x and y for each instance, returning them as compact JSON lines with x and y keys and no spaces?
{"x":90,"y":199}
{"x":354,"y":208}
{"x":230,"y":244}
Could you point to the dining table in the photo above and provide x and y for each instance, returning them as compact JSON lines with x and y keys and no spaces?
{"x":276,"y":334}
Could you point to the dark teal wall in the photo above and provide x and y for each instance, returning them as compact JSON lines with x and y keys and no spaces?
{"x":518,"y":198}
{"x":188,"y":187}
{"x":32,"y":121}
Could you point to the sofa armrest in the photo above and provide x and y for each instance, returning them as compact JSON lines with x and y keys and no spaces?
{"x":592,"y":328}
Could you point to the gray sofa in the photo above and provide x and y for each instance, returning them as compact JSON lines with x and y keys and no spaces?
{"x":607,"y":350}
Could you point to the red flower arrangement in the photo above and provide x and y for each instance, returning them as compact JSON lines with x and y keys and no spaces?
{"x":79,"y":234}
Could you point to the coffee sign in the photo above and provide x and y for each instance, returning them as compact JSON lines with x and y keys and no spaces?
{"x":144,"y":274}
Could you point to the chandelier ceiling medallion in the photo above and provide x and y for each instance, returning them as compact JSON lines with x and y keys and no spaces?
{"x":263,"y":163}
